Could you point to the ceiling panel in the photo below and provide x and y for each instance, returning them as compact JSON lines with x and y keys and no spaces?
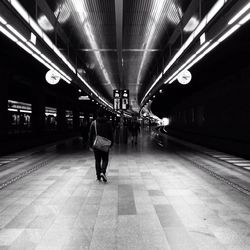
{"x":90,"y":27}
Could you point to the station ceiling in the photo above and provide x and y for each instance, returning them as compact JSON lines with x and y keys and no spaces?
{"x":119,"y":44}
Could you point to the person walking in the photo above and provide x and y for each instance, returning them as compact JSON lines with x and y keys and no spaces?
{"x":134,"y":129}
{"x":102,"y":127}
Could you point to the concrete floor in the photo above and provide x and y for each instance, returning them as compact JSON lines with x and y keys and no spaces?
{"x":153,"y":200}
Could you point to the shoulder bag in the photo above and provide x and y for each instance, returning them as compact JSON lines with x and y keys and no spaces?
{"x":100,"y":142}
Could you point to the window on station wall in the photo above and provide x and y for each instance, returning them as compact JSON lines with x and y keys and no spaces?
{"x":50,"y":118}
{"x":69,"y":119}
{"x":19,"y":117}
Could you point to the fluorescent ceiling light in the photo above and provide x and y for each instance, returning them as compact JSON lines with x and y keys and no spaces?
{"x":19,"y":8}
{"x":25,"y":111}
{"x":202,"y":55}
{"x":24,"y":47}
{"x":202,"y":25}
{"x":230,"y":32}
{"x":14,"y":110}
{"x":38,"y":58}
{"x":157,"y":9}
{"x":240,"y":13}
{"x":16,"y":33}
{"x":155,"y":82}
{"x":34,"y":48}
{"x":46,"y":58}
{"x":2,"y":21}
{"x":8,"y":34}
{"x":245,"y":19}
{"x":35,"y":26}
{"x":215,"y":9}
{"x":203,"y":47}
{"x":24,"y":14}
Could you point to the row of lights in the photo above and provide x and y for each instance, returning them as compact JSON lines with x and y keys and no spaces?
{"x":209,"y":46}
{"x":201,"y":52}
{"x":29,"y":46}
{"x":215,"y":9}
{"x":15,"y":36}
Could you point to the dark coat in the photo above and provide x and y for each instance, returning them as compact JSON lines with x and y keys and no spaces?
{"x":104,"y":129}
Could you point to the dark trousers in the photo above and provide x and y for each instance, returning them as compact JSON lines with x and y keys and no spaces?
{"x":101,"y":162}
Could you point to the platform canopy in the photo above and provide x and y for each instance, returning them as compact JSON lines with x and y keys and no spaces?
{"x":121,"y":44}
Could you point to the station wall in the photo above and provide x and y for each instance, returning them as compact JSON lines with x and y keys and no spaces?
{"x":218,"y":116}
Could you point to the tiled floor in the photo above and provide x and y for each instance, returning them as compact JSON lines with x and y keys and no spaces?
{"x":153,"y":200}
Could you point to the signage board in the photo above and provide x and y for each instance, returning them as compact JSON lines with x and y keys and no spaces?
{"x":121,"y":99}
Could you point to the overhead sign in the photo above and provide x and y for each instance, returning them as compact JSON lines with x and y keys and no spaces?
{"x":121,"y":99}
{"x":52,"y":77}
{"x":184,"y":77}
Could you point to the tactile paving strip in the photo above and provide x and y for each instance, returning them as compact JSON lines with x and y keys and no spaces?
{"x":217,"y":176}
{"x":25,"y":173}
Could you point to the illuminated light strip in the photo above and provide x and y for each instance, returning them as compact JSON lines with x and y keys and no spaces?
{"x":245,"y":19}
{"x":156,"y":12}
{"x":174,"y":76}
{"x":24,"y":14}
{"x":240,"y":13}
{"x":25,"y":111}
{"x":2,"y":21}
{"x":8,"y":34}
{"x":214,"y":10}
{"x":46,"y":58}
{"x":215,"y":44}
{"x":19,"y":8}
{"x":222,"y":38}
{"x":228,"y":33}
{"x":24,"y":47}
{"x":34,"y":48}
{"x":14,"y":110}
{"x":13,"y":30}
{"x":96,"y":94}
{"x":155,"y":82}
{"x":187,"y":62}
{"x":183,"y":67}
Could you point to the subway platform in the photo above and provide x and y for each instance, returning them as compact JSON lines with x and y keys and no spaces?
{"x":154,"y":199}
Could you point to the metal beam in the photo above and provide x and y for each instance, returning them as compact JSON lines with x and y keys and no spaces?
{"x":123,"y":50}
{"x":51,"y":17}
{"x":119,"y":37}
{"x":186,"y":17}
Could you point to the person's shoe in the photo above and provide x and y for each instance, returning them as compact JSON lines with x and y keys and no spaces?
{"x":104,"y":178}
{"x":98,"y":179}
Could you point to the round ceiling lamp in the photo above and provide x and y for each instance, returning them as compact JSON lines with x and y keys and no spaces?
{"x":52,"y":77}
